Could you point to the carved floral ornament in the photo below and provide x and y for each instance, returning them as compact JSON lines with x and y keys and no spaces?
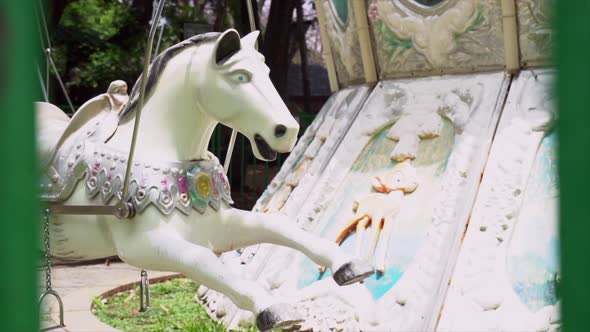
{"x":471,"y":109}
{"x":422,"y":118}
{"x":432,"y":29}
{"x":426,"y":7}
{"x":414,"y":119}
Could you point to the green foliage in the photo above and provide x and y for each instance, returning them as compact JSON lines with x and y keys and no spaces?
{"x":105,"y":65}
{"x":99,"y":41}
{"x":477,"y":21}
{"x":95,"y":19}
{"x":173,"y":308}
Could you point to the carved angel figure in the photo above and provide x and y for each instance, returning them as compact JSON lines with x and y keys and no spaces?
{"x":378,"y":211}
{"x":434,"y":37}
{"x":418,"y":118}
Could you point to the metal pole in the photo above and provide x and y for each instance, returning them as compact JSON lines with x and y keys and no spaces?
{"x":43,"y":89}
{"x":251,"y":16}
{"x":61,"y":83}
{"x":146,"y":63}
{"x":234,"y":133}
{"x":159,"y":40}
{"x":303,"y":55}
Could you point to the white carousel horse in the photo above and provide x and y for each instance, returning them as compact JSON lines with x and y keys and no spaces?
{"x":178,"y":189}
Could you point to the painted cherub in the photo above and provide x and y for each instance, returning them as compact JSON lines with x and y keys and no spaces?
{"x":378,"y":211}
{"x":421,"y":117}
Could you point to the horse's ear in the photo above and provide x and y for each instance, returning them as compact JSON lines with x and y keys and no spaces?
{"x":226,"y":45}
{"x":250,"y":39}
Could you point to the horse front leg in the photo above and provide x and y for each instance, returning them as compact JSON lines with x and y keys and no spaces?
{"x":170,"y":252}
{"x":245,"y":228}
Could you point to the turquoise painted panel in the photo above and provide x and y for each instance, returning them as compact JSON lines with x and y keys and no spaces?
{"x":533,"y":259}
{"x":341,"y":9}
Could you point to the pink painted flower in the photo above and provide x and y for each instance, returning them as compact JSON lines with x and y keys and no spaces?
{"x":373,"y":12}
{"x":182,"y":185}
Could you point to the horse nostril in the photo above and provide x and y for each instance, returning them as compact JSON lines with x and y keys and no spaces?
{"x":280,"y":131}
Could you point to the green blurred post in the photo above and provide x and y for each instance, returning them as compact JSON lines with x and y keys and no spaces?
{"x":573,"y":89}
{"x":19,"y":208}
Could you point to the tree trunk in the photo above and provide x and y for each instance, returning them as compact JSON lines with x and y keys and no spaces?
{"x":219,"y":15}
{"x":56,"y":9}
{"x":276,"y":43}
{"x":144,"y":9}
{"x":303,"y":54}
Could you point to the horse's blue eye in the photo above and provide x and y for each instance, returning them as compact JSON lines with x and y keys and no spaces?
{"x":241,"y":77}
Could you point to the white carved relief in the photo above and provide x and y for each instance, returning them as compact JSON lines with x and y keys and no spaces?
{"x":409,"y":304}
{"x":213,"y":302}
{"x":432,"y":36}
{"x":379,"y":211}
{"x":481,"y":295}
{"x":453,"y":36}
{"x":313,"y":147}
{"x":424,"y":119}
{"x":327,"y":308}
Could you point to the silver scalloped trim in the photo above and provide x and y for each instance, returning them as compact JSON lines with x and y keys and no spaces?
{"x":151,"y":184}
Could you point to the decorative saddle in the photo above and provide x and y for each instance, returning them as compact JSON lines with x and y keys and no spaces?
{"x":81,"y":154}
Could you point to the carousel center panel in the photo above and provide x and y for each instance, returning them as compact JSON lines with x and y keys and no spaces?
{"x":341,"y":26}
{"x":536,"y":38}
{"x":292,"y":184}
{"x":398,"y":191}
{"x":424,"y":37}
{"x":507,"y":273}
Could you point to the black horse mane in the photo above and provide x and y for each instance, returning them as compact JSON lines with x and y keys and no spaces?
{"x":156,"y":68}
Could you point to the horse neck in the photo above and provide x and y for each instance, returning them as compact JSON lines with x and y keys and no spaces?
{"x":174,"y":126}
{"x":171,"y":129}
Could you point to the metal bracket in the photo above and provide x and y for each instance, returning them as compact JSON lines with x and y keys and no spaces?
{"x":144,"y":291}
{"x":121,"y":210}
{"x":61,"y":309}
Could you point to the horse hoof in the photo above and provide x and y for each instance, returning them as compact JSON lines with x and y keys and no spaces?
{"x":353,"y":271}
{"x":278,"y":316}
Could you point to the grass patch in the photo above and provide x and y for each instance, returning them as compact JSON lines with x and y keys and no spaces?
{"x":173,"y":308}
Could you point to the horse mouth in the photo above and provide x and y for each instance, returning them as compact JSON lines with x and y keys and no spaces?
{"x":265,"y":150}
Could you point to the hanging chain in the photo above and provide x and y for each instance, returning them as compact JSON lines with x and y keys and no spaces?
{"x":47,"y":251}
{"x":48,"y":288}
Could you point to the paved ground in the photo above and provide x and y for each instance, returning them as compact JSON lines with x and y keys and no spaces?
{"x":77,"y":284}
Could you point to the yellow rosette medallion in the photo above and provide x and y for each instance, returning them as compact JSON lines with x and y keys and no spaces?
{"x":202,"y":189}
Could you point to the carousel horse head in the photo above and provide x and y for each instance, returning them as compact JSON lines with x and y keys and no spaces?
{"x":245,"y":99}
{"x":222,"y":79}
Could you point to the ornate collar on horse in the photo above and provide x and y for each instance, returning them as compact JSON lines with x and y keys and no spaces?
{"x":181,"y":185}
